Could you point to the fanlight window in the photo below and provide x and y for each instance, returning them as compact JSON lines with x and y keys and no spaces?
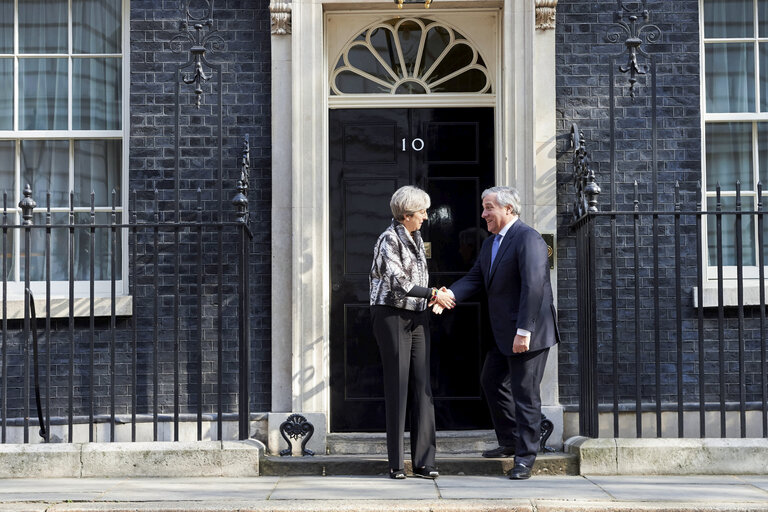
{"x":410,"y":56}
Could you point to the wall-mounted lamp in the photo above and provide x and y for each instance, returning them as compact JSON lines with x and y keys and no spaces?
{"x":400,"y":3}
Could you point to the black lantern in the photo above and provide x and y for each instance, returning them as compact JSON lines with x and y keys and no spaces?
{"x":400,"y":3}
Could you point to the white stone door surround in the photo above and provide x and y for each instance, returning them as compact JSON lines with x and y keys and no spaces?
{"x":300,"y":252}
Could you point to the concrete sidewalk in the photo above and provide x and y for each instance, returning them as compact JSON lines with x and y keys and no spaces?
{"x":379,"y":493}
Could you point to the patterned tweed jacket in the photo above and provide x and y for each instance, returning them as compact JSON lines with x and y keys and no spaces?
{"x":399,"y":264}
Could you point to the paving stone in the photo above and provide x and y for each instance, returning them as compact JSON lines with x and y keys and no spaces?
{"x":192,"y":489}
{"x":646,"y":489}
{"x":757,"y":481}
{"x":470,"y":487}
{"x":353,"y":488}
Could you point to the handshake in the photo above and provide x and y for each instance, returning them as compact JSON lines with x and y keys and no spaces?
{"x":441,"y":300}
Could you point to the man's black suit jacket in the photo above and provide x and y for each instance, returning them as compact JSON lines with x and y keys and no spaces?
{"x":517,"y":287}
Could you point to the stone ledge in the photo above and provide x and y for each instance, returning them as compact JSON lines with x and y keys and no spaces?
{"x":102,"y":306}
{"x":715,"y":456}
{"x":201,"y":458}
{"x":324,"y":465}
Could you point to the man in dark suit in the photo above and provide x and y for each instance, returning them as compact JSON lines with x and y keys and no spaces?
{"x":513,"y":271}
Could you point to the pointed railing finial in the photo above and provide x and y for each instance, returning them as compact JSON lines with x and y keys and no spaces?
{"x":584,"y":179}
{"x":27,"y":205}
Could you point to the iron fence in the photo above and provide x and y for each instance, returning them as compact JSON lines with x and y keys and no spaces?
{"x":167,"y":342}
{"x":671,"y":311}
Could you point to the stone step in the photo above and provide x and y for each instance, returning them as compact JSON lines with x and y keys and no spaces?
{"x":324,"y":465}
{"x":448,"y":442}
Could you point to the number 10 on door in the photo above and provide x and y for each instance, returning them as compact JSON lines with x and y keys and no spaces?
{"x":416,"y":144}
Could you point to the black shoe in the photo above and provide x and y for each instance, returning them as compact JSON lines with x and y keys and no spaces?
{"x":426,"y":472}
{"x":520,"y":472}
{"x":499,"y":451}
{"x":397,"y":474}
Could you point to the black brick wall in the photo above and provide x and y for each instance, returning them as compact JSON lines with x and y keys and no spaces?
{"x":584,"y":60}
{"x":244,"y":27}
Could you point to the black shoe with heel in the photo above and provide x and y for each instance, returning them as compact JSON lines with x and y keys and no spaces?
{"x":426,"y":472}
{"x":397,"y":474}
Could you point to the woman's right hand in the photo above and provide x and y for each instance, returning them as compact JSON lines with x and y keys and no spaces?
{"x":444,"y":299}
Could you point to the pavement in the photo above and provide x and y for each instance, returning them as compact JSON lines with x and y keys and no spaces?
{"x":454,"y":493}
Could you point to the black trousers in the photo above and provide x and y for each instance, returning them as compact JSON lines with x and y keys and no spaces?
{"x":511,"y":385}
{"x":403,"y":339}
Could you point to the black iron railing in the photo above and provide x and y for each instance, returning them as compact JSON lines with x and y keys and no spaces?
{"x":179,"y":352}
{"x":666,"y":323}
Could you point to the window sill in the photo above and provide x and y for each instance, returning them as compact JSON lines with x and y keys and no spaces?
{"x":102,"y":306}
{"x":730,"y":293}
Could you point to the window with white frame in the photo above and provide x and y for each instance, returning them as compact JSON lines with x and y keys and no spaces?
{"x":62,"y":128}
{"x":735,"y":116}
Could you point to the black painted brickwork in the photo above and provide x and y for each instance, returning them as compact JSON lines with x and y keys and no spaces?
{"x":584,"y":59}
{"x":244,"y":28}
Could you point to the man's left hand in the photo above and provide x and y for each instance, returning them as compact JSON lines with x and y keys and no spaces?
{"x":521,"y":344}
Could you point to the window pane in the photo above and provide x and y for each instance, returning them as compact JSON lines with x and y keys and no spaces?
{"x":9,"y":252}
{"x":6,"y":26}
{"x":45,"y":166}
{"x":728,"y":18}
{"x":762,"y":18}
{"x":360,"y":57}
{"x":97,"y":169}
{"x":6,"y":170}
{"x":96,"y":94}
{"x":352,"y":83}
{"x":436,"y":42}
{"x":410,"y":39}
{"x":383,"y":43}
{"x":43,"y":91}
{"x":410,"y":88}
{"x":471,"y":80}
{"x":6,"y":94}
{"x":59,"y":249}
{"x":96,"y":26}
{"x":729,"y":155}
{"x":43,"y":26}
{"x":763,"y":77}
{"x":762,"y":145}
{"x":730,"y":77}
{"x":102,"y":248}
{"x":729,"y":232}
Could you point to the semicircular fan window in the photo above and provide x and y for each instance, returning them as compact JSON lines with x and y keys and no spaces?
{"x":410,"y":56}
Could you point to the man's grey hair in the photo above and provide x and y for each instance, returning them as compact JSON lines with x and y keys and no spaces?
{"x":505,"y":196}
{"x":408,"y":200}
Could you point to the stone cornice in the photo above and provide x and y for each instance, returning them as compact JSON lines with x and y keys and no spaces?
{"x":280,"y":15}
{"x":545,"y":14}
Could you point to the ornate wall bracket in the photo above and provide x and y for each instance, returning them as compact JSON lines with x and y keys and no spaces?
{"x":280,"y":15}
{"x":294,"y":427}
{"x":547,"y":427}
{"x":545,"y":14}
{"x":634,"y":24}
{"x":197,"y":19}
{"x":584,"y":180}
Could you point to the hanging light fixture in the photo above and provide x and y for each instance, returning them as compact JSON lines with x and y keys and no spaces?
{"x":400,"y":3}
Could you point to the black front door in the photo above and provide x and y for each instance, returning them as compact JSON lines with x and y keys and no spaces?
{"x":449,"y":153}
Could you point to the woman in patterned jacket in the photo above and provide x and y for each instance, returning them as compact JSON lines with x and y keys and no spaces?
{"x":399,"y":300}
